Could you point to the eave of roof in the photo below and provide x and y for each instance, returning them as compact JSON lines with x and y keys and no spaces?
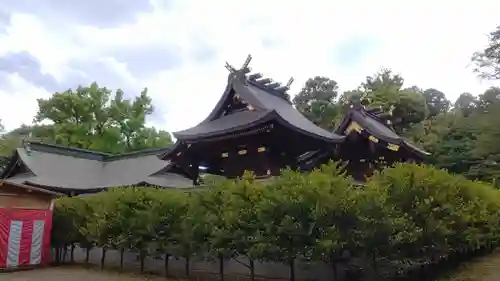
{"x":31,"y":188}
{"x":234,"y":122}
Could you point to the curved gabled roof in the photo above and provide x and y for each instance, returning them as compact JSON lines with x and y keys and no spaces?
{"x":61,"y":169}
{"x":267,"y":105}
{"x":377,"y":128}
{"x":254,"y":91}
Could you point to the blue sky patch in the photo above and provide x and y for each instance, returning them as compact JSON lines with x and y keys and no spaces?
{"x":351,"y":52}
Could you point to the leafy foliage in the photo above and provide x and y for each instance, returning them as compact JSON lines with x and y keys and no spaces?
{"x":461,"y":135}
{"x":89,"y":117}
{"x":487,"y":61}
{"x":92,"y":117}
{"x":406,"y":212}
{"x":317,"y":101}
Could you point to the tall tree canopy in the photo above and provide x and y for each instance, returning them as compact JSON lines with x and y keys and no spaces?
{"x":436,"y":102}
{"x":317,"y":101}
{"x":461,"y":135}
{"x":90,"y":117}
{"x":93,"y":117}
{"x":385,"y":90}
{"x":487,"y":61}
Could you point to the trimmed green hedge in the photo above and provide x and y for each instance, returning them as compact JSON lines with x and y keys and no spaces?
{"x":407,"y":214}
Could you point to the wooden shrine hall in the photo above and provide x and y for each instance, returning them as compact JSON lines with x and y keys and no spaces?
{"x":255,"y":127}
{"x":370,"y":144}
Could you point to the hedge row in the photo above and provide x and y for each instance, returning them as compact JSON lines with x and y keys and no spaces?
{"x":404,"y":213}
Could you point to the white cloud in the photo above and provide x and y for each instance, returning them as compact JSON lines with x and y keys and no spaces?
{"x":18,"y":103}
{"x":428,"y":42}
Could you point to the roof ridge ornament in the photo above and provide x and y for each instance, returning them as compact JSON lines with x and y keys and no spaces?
{"x":283,"y":89}
{"x":357,"y":105}
{"x":26,"y":143}
{"x":239,"y":74}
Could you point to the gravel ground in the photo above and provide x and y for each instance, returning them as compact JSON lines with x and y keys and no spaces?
{"x":486,"y":268}
{"x":482,"y":269}
{"x":72,"y":274}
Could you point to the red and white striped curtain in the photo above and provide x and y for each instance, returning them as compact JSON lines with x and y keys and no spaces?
{"x":24,"y":237}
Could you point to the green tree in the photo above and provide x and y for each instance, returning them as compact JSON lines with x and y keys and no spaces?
{"x":427,"y":207}
{"x":384,"y":90}
{"x":11,"y":140}
{"x":487,"y":61}
{"x":490,"y":97}
{"x":170,"y":209}
{"x":436,"y":101}
{"x":317,"y":101}
{"x":466,"y":104}
{"x":137,"y":218}
{"x":384,"y":232}
{"x":454,"y":149}
{"x":248,"y":239}
{"x":351,"y":97}
{"x":214,"y":202}
{"x":287,"y":207}
{"x":70,"y":218}
{"x":192,"y":235}
{"x":94,"y":118}
{"x":7,"y":146}
{"x":98,"y":228}
{"x":335,"y":216}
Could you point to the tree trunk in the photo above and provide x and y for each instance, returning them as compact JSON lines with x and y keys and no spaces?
{"x":186,"y":268}
{"x":374,"y":263}
{"x":291,"y":263}
{"x":65,"y":252}
{"x":167,"y":257}
{"x":142,"y":257}
{"x":333,"y":265}
{"x":252,"y":270}
{"x":221,"y":267}
{"x":87,"y":254}
{"x":72,"y":253}
{"x":103,"y":257}
{"x":122,"y":252}
{"x":58,"y":255}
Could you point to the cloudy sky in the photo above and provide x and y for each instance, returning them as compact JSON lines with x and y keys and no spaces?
{"x":178,"y":48}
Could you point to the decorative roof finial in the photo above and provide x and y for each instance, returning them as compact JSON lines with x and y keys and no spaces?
{"x":356,"y":104}
{"x":26,"y":143}
{"x":239,"y":73}
{"x":290,"y":81}
{"x":247,"y":62}
{"x":230,"y":68}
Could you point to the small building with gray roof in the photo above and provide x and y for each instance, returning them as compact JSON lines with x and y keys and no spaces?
{"x":75,"y":171}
